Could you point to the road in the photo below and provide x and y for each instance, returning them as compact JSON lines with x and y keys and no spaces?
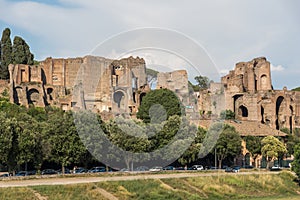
{"x":77,"y":180}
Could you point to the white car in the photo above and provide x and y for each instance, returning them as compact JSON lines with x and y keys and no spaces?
{"x":197,"y":167}
{"x":156,"y":169}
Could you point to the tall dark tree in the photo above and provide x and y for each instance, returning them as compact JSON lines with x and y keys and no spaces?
{"x":6,"y":50}
{"x":21,"y":52}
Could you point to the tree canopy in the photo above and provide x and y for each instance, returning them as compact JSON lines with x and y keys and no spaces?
{"x":202,"y":82}
{"x":158,"y":105}
{"x":6,"y":51}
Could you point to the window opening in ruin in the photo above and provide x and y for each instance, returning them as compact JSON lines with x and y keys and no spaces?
{"x":262,"y":112}
{"x":119,"y":98}
{"x":243,"y":111}
{"x":23,"y":75}
{"x":278,"y":110}
{"x":33,"y":95}
{"x":109,"y":109}
{"x":49,"y":92}
{"x":130,"y":109}
{"x":73,"y":104}
{"x":142,"y":95}
{"x":133,"y":97}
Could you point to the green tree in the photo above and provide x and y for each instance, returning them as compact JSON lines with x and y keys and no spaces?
{"x":253,"y":145}
{"x":192,"y":153}
{"x":6,"y":138}
{"x":130,"y":138}
{"x":66,"y":146}
{"x":227,"y":114}
{"x":6,"y":51}
{"x":229,"y":143}
{"x":202,"y":82}
{"x":296,"y":162}
{"x":272,"y":149}
{"x":158,"y":105}
{"x":21,"y":52}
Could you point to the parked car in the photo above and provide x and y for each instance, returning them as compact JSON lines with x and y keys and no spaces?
{"x":179,"y":168}
{"x":67,"y":171}
{"x":169,"y":168}
{"x":230,"y":169}
{"x":275,"y":168}
{"x":156,"y":169}
{"x":48,"y":172}
{"x":197,"y":167}
{"x":80,"y":170}
{"x":248,"y":167}
{"x":4,"y":175}
{"x":97,"y":169}
{"x":213,"y":168}
{"x":142,"y":168}
{"x":21,"y":173}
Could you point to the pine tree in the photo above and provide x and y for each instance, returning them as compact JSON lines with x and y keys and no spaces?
{"x":21,"y":52}
{"x":6,"y":50}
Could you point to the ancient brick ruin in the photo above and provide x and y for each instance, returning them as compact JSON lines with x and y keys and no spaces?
{"x":113,"y":87}
{"x":106,"y":86}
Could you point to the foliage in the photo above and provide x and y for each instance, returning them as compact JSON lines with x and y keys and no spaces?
{"x":296,"y":89}
{"x":253,"y":145}
{"x":6,"y":50}
{"x":159,"y":105}
{"x":272,"y":148}
{"x":296,"y":162}
{"x":193,"y":87}
{"x":227,"y":114}
{"x":202,"y":82}
{"x":229,"y":143}
{"x":21,"y":53}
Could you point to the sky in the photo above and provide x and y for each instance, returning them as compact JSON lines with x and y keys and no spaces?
{"x":226,"y":32}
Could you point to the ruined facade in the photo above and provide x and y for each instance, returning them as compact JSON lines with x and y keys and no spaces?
{"x":247,"y":90}
{"x":107,"y":86}
{"x":177,"y":81}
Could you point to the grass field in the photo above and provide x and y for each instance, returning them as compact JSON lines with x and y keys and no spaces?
{"x":260,"y":187}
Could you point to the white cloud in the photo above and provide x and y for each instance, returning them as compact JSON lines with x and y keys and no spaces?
{"x":277,"y":68}
{"x":230,"y":31}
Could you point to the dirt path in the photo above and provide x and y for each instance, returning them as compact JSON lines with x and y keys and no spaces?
{"x":77,"y":180}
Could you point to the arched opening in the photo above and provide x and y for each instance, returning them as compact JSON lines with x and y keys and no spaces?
{"x":142,"y":95}
{"x":44,"y":79}
{"x":262,"y":112}
{"x":243,"y":111}
{"x":279,"y":108}
{"x":33,"y":96}
{"x":119,"y":98}
{"x":133,"y":97}
{"x":49,"y":93}
{"x":264,"y":82}
{"x":17,"y":95}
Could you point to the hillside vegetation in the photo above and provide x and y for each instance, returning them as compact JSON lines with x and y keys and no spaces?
{"x":271,"y":186}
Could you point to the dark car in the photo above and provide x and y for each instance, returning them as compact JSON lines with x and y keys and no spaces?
{"x":248,"y":167}
{"x":80,"y":170}
{"x":67,"y":171}
{"x":4,"y":175}
{"x":230,"y":169}
{"x":21,"y":173}
{"x":275,"y":168}
{"x":48,"y":172}
{"x":169,"y":168}
{"x":97,"y":169}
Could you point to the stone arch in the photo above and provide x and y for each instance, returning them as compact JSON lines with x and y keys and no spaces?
{"x":49,"y":93}
{"x":119,"y":98}
{"x":279,"y":111}
{"x":264,"y":82}
{"x":33,"y":96}
{"x":142,"y":95}
{"x":243,"y":111}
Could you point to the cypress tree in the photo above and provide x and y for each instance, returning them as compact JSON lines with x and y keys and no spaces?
{"x":21,"y":52}
{"x":6,"y":51}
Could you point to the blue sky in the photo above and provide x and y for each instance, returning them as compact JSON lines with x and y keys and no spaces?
{"x":230,"y":31}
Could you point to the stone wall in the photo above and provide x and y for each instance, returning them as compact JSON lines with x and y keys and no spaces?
{"x":96,"y":83}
